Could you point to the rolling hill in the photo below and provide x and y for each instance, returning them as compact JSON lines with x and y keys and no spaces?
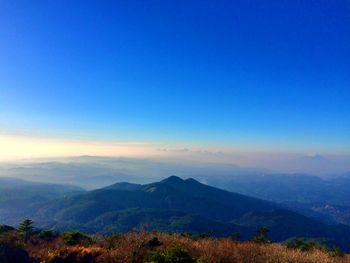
{"x":173,"y":205}
{"x":178,"y":205}
{"x":20,"y":198}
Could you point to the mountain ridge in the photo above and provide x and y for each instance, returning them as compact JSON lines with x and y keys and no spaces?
{"x":179,"y":205}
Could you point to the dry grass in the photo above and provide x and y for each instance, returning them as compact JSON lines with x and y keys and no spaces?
{"x":135,"y":247}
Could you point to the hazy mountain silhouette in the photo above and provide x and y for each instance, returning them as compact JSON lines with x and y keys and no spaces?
{"x":175,"y":205}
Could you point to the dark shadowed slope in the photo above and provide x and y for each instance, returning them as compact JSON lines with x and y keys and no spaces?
{"x":172,"y":193}
{"x":20,"y":198}
{"x":179,"y":205}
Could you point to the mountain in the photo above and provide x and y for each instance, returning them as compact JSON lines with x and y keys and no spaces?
{"x":326,"y":199}
{"x":323,"y":198}
{"x":178,"y":205}
{"x":172,"y":193}
{"x":285,"y":224}
{"x":298,"y":188}
{"x":174,"y":205}
{"x":90,"y":174}
{"x":42,"y":188}
{"x":124,"y":186}
{"x":155,"y":219}
{"x":19,"y":198}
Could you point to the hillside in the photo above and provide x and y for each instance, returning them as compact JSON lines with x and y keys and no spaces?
{"x":297,"y":188}
{"x":326,"y":199}
{"x":155,"y":247}
{"x":178,"y":205}
{"x":172,"y":194}
{"x":19,"y":198}
{"x":170,"y":205}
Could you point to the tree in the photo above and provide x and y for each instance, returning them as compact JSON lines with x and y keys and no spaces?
{"x":337,"y":252}
{"x":236,"y":236}
{"x":26,"y":228}
{"x":261,"y":236}
{"x":173,"y":255}
{"x":308,"y":245}
{"x":6,"y":228}
{"x":75,"y":237}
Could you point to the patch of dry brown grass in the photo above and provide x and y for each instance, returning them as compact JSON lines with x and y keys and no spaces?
{"x":135,"y":247}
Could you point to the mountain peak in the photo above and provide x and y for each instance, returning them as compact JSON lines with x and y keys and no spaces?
{"x":191,"y":180}
{"x":123,"y":186}
{"x":172,"y":179}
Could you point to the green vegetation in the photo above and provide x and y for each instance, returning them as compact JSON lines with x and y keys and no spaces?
{"x":154,"y":242}
{"x":304,"y":245}
{"x":171,"y":205}
{"x":173,"y":255}
{"x":26,"y":228}
{"x":112,"y":241}
{"x":156,"y":247}
{"x":11,"y":253}
{"x":48,"y":234}
{"x":261,"y":236}
{"x":75,"y":238}
{"x":6,"y":228}
{"x":336,"y":252}
{"x":236,"y":236}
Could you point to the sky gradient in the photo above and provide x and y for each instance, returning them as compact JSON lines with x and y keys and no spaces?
{"x":225,"y":75}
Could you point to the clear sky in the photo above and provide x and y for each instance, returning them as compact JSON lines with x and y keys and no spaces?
{"x":250,"y":75}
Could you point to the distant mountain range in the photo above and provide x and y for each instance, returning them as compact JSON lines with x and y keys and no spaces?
{"x":326,"y":199}
{"x":301,"y":188}
{"x":20,"y":198}
{"x":173,"y":204}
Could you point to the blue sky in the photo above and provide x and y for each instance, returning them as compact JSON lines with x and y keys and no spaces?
{"x":272,"y":75}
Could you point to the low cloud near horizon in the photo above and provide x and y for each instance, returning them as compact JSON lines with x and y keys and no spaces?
{"x":23,"y":147}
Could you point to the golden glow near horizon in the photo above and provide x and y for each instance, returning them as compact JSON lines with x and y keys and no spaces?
{"x":16,"y":147}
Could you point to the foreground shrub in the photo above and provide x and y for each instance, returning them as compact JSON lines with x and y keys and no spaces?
{"x":261,"y":236}
{"x":76,"y":238}
{"x":336,"y":252}
{"x":6,"y":228}
{"x":142,"y":247}
{"x":112,"y":241}
{"x":48,"y":234}
{"x":173,"y":255}
{"x":10,"y":253}
{"x":26,"y":228}
{"x":305,"y":245}
{"x":74,"y":255}
{"x":236,"y":237}
{"x":154,"y":242}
